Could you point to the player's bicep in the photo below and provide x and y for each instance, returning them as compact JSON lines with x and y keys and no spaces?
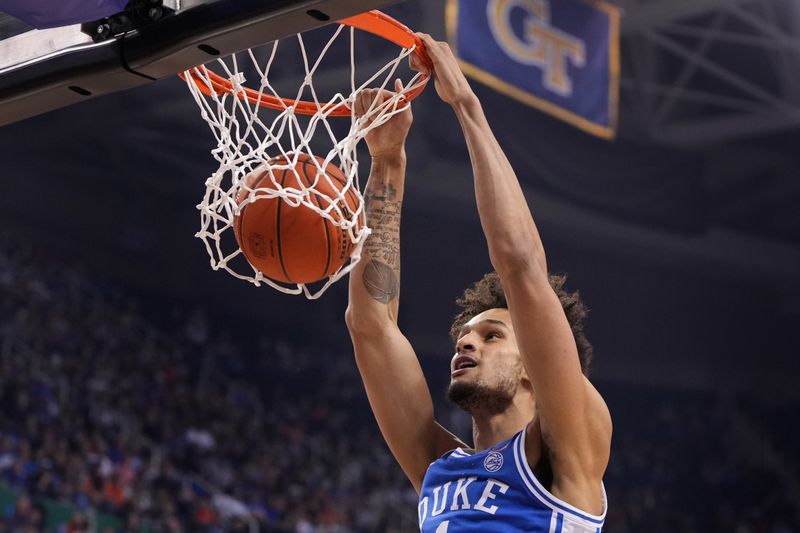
{"x":400,"y":399}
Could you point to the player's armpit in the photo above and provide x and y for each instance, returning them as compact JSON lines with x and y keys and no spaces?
{"x":587,"y":455}
{"x":573,"y":417}
{"x":578,"y":467}
{"x":400,"y":399}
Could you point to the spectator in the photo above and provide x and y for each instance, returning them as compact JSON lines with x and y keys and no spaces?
{"x":105,"y":410}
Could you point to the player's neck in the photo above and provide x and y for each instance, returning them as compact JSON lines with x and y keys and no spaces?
{"x":490,"y":430}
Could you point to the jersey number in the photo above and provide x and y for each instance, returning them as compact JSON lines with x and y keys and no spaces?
{"x":443,"y":527}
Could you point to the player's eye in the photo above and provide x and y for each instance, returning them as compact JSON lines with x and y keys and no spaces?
{"x":492,"y":335}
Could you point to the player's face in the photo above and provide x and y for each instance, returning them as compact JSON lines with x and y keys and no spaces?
{"x":486,"y":369}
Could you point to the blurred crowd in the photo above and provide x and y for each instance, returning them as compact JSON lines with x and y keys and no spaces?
{"x":155,"y":424}
{"x":690,"y":462}
{"x":176,"y":424}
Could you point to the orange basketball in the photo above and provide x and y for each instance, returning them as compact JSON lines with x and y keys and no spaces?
{"x":295,"y":244}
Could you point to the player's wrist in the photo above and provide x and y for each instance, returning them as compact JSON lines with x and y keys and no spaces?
{"x":466,"y":103}
{"x":392,"y":156}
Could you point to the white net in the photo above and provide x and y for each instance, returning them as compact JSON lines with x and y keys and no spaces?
{"x":255,"y":138}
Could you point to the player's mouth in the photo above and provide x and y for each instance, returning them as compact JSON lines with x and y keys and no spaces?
{"x":462,"y":364}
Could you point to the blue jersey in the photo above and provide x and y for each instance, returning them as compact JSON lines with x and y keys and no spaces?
{"x":495,"y":491}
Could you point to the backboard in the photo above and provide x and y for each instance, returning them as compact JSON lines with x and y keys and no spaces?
{"x":41,"y":70}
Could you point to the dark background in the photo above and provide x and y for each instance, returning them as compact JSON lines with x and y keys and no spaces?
{"x":687,"y":256}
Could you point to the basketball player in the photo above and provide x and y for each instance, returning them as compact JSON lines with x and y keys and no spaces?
{"x":541,"y":432}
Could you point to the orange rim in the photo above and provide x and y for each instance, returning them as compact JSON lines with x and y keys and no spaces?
{"x":373,"y":22}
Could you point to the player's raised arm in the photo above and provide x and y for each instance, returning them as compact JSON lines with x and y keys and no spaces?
{"x":574,"y":419}
{"x":393,"y":378}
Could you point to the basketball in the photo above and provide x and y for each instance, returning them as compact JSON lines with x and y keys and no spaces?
{"x":295,"y":244}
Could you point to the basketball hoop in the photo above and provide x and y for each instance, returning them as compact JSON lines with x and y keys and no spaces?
{"x":256,"y":127}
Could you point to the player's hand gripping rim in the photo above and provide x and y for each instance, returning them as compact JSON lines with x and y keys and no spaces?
{"x":451,"y":84}
{"x":388,"y":138}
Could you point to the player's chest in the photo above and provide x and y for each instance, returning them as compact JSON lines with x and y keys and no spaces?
{"x":481,"y":494}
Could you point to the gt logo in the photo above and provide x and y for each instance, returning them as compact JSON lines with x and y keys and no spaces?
{"x":540,"y":44}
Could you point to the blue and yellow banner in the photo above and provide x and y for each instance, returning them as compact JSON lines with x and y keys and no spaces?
{"x":560,"y":56}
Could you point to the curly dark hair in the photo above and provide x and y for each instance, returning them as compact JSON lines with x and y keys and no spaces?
{"x":488,"y":294}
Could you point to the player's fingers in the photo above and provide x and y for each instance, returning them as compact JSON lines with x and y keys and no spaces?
{"x":357,"y":109}
{"x":426,"y":38}
{"x":369,"y":99}
{"x":383,"y":95}
{"x":432,"y":46}
{"x":437,"y":50}
{"x":363,"y":101}
{"x":416,"y":64}
{"x":400,"y":89}
{"x":376,"y":98}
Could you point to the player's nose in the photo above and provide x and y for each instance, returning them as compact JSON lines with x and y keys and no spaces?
{"x":465,"y":345}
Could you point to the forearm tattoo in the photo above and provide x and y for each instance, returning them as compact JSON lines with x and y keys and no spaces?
{"x":382,"y":250}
